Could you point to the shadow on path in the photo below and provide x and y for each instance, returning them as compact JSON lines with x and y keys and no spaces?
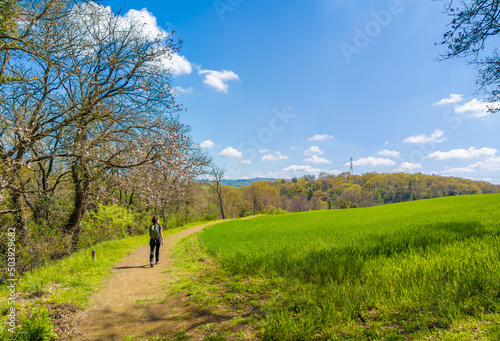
{"x":132,"y":267}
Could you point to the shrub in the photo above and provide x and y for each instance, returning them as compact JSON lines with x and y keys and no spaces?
{"x":109,"y":223}
{"x":273,"y":210}
{"x":209,"y":217}
{"x":176,"y":221}
{"x":34,"y":326}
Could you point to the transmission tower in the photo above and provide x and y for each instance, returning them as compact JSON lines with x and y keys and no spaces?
{"x":351,"y":169}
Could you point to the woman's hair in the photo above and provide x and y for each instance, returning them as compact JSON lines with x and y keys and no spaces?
{"x":155,"y":219}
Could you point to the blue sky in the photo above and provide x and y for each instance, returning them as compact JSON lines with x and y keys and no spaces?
{"x":287,"y":88}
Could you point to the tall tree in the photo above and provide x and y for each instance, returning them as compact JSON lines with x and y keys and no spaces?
{"x":28,"y":94}
{"x":91,"y":92}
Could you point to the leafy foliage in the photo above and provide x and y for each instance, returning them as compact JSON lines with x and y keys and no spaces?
{"x":7,"y":24}
{"x":110,"y":223}
{"x":33,"y":326}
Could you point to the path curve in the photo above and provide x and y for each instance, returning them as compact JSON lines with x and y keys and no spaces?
{"x":128,"y":305}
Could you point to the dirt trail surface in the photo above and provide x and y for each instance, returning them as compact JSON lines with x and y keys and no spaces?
{"x":134,"y":301}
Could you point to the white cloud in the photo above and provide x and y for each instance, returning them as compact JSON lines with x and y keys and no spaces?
{"x":458,"y":170}
{"x":207,"y":144}
{"x":436,"y":136}
{"x":477,"y":108}
{"x":150,"y":29}
{"x":386,"y":143}
{"x":491,"y":164}
{"x":470,"y":153}
{"x":320,"y":137}
{"x":454,"y":98}
{"x":314,"y":150}
{"x":274,"y":157}
{"x":262,"y":151}
{"x":408,"y":166}
{"x":388,"y":153}
{"x":217,"y":79}
{"x":296,"y":170}
{"x":295,"y":148}
{"x":246,"y":162}
{"x":317,"y":159}
{"x":178,"y":64}
{"x":148,"y":22}
{"x":302,"y":169}
{"x":373,"y":161}
{"x":181,"y":90}
{"x":231,"y":153}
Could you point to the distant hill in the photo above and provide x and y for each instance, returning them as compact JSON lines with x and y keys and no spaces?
{"x":244,"y":182}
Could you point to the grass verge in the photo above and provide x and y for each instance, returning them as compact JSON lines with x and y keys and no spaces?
{"x":229,"y":303}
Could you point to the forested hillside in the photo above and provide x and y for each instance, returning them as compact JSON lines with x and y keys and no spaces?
{"x":345,"y":190}
{"x":341,"y":191}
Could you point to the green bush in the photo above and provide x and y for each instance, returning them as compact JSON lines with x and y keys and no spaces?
{"x":42,"y":244}
{"x":46,"y":242}
{"x":273,"y":210}
{"x":209,"y":217}
{"x":109,"y":223}
{"x":34,"y":326}
{"x":176,"y":221}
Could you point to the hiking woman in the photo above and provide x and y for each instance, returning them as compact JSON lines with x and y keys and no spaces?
{"x":155,"y":236}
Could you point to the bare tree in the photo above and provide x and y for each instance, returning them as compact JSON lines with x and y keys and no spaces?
{"x":29,"y":94}
{"x":217,"y":174}
{"x":474,"y":22}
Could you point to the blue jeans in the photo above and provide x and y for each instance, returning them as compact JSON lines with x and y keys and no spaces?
{"x":154,"y":243}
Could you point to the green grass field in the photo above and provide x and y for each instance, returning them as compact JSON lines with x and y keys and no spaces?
{"x":415,"y":270}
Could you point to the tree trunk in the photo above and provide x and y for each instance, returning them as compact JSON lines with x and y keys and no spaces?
{"x":131,"y":201}
{"x":221,"y":203}
{"x":20,"y":216}
{"x":163,"y":215}
{"x":82,"y":183}
{"x":73,"y":225}
{"x":17,"y":199}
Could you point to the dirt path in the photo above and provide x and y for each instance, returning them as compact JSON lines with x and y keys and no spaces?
{"x":133,"y":303}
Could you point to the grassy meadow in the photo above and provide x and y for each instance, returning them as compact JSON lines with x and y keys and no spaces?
{"x":427,"y":269}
